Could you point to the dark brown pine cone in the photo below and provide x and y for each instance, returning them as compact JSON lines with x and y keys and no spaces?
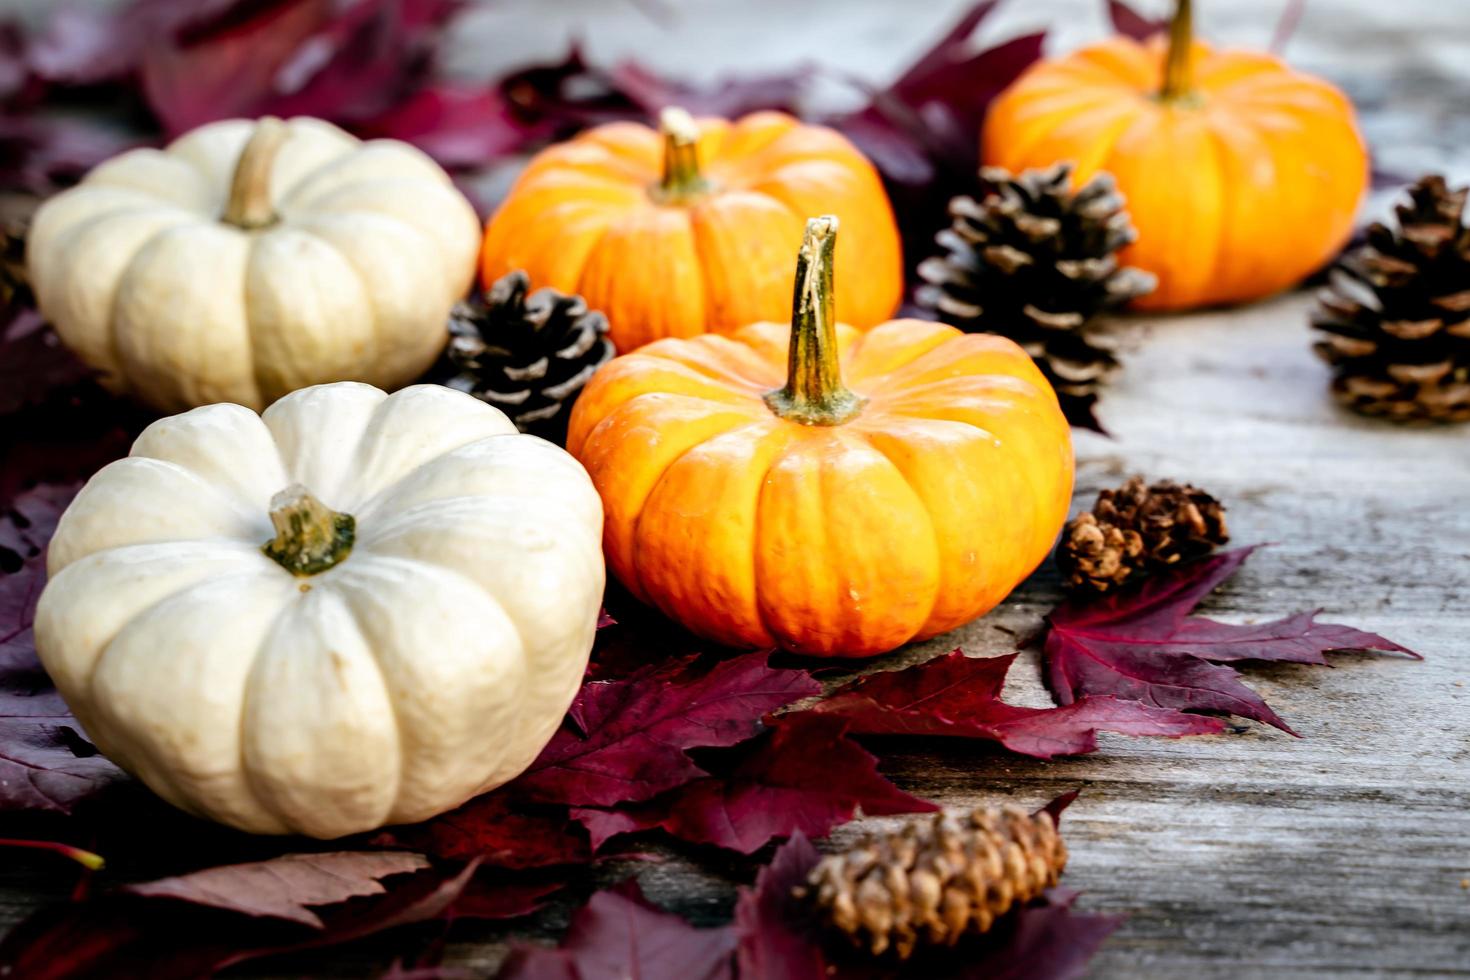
{"x":1395,"y":320}
{"x":1137,"y":530}
{"x":1035,"y":262}
{"x":937,"y":879}
{"x":528,"y":354}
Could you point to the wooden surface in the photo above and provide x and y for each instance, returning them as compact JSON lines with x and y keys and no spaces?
{"x":1339,"y":854}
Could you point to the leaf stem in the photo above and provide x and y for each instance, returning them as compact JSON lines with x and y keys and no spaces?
{"x":88,"y":860}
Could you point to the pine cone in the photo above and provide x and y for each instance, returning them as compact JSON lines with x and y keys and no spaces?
{"x":937,"y":879}
{"x":1136,"y":530}
{"x":528,"y":355}
{"x":1034,"y":262}
{"x":1395,"y":320}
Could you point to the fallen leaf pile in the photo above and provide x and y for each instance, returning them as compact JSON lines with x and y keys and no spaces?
{"x":45,"y":762}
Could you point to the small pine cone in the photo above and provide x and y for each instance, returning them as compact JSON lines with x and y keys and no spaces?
{"x":1035,"y":262}
{"x":1395,"y":320}
{"x":1136,"y":530}
{"x":936,"y":880}
{"x":528,"y":354}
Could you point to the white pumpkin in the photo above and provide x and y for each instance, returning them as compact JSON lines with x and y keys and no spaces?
{"x":249,"y":259}
{"x":410,"y":657}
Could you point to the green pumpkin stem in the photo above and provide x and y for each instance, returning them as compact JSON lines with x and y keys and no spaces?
{"x":681,"y":180}
{"x":1178,"y":80}
{"x":814,"y":392}
{"x":249,"y":204}
{"x":310,"y":536}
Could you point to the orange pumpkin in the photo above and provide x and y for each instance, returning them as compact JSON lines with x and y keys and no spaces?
{"x":689,"y":230}
{"x":756,"y":499}
{"x":1242,"y":175}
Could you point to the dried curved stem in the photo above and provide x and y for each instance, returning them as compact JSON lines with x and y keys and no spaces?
{"x":249,"y":204}
{"x":814,"y":393}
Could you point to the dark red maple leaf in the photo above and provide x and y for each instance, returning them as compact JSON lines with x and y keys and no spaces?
{"x":558,"y":99}
{"x":344,"y":62}
{"x":503,"y":896}
{"x":806,"y":776}
{"x":778,"y":937}
{"x":33,"y":363}
{"x":459,"y":126}
{"x":45,"y":763}
{"x":1143,"y":645}
{"x":1131,"y":23}
{"x":923,"y":131}
{"x":286,"y":887}
{"x":959,"y":697}
{"x":122,"y":934}
{"x":56,"y":422}
{"x":620,"y":934}
{"x":499,"y":830}
{"x":627,"y":737}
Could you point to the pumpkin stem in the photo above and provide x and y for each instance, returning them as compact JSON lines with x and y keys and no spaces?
{"x":1178,"y":81}
{"x":681,"y":180}
{"x":310,"y":536}
{"x":814,"y":392}
{"x":249,"y":204}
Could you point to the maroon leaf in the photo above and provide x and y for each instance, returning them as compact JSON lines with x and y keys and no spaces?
{"x":775,"y":929}
{"x":1130,"y":23}
{"x":33,"y":363}
{"x":39,"y":153}
{"x":554,"y":101}
{"x":729,"y":97}
{"x":1047,"y":941}
{"x":83,"y":46}
{"x":957,"y":696}
{"x":45,"y":764}
{"x":286,"y":887}
{"x":805,"y":776}
{"x":344,"y":62}
{"x":457,"y":126}
{"x":633,"y":732}
{"x":499,"y":831}
{"x":128,"y":935}
{"x":1143,"y":645}
{"x":619,"y":934}
{"x":502,"y":897}
{"x":923,"y":131}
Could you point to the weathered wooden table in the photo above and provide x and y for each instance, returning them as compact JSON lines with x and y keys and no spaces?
{"x":1343,"y":853}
